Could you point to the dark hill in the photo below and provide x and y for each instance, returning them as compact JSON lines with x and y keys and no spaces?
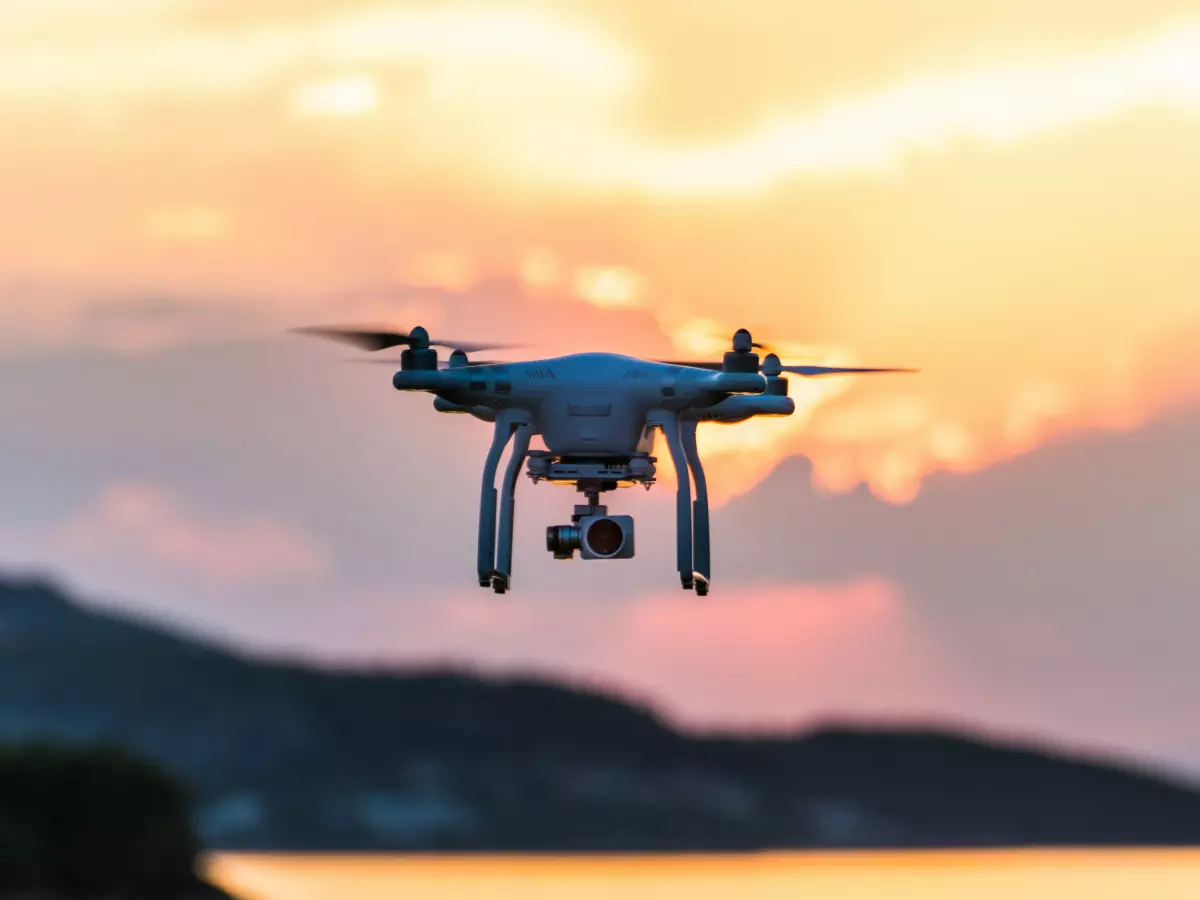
{"x":94,"y":822}
{"x":287,"y":757}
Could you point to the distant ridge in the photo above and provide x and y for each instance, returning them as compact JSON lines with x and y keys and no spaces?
{"x":285,"y":757}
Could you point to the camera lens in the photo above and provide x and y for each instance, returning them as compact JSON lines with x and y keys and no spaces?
{"x":605,"y":537}
{"x":562,"y":540}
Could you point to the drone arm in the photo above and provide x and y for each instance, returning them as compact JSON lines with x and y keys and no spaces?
{"x":670,"y":425}
{"x":483,"y":413}
{"x":420,"y":380}
{"x":507,"y":505}
{"x":700,"y":532}
{"x":737,"y":382}
{"x":740,"y":408}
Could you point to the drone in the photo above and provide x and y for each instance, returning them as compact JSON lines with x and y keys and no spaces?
{"x":597,"y":414}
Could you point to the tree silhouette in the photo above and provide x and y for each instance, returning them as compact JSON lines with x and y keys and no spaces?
{"x":93,"y":821}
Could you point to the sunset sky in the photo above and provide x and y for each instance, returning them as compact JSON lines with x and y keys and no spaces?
{"x":1004,"y":195}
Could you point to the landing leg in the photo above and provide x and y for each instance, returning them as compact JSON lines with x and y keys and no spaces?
{"x":486,"y":557}
{"x":683,"y":503}
{"x":700,"y":536}
{"x":501,"y":579}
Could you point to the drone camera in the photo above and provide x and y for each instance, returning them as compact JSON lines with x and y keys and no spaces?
{"x":606,"y":537}
{"x":595,"y":537}
{"x":564,"y":540}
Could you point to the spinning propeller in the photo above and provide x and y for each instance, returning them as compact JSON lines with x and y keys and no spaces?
{"x":772,"y":367}
{"x":458,"y":360}
{"x":374,"y":340}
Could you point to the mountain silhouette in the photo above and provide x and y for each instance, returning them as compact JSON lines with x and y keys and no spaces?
{"x":283,"y":756}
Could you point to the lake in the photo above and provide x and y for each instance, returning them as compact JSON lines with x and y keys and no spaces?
{"x":970,"y":875}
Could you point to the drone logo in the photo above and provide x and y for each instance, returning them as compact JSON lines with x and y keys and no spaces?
{"x":596,"y":414}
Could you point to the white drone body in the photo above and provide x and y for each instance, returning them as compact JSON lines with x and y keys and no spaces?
{"x":596,"y":414}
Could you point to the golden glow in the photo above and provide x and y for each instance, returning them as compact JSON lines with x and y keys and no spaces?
{"x":1034,"y":403}
{"x":928,"y":112}
{"x":121,"y":62}
{"x":610,"y":286}
{"x":745,"y":452}
{"x":351,"y":95}
{"x":540,"y":271}
{"x":508,"y":69}
{"x":448,"y":271}
{"x":929,"y":875}
{"x":1009,"y":209}
{"x":186,"y":223}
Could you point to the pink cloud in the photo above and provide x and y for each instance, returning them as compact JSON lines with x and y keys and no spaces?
{"x":768,"y":655}
{"x":777,"y":654}
{"x":142,"y":523}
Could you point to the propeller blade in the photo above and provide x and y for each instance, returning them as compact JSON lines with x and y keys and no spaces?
{"x":818,"y":371}
{"x":467,"y":347}
{"x":471,"y":363}
{"x":442,"y":363}
{"x":375,"y":340}
{"x":805,"y":371}
{"x":366,"y":340}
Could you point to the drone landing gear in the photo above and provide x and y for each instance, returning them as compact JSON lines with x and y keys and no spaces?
{"x":495,"y":565}
{"x":501,"y":578}
{"x":692,"y":547}
{"x":683,"y":501}
{"x":701,"y":546}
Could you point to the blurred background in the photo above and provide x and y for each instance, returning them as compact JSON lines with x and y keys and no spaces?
{"x":1004,"y":195}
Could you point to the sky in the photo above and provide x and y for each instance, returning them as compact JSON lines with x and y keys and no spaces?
{"x":1003,"y":195}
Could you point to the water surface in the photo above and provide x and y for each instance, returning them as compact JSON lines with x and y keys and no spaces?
{"x":1051,"y":874}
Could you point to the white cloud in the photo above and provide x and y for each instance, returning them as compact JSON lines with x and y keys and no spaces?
{"x":348,"y":96}
{"x":610,"y":286}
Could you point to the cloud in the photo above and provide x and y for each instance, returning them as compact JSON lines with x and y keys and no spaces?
{"x":526,"y":64}
{"x":145,"y":526}
{"x":462,"y":48}
{"x":194,"y":223}
{"x":38,"y":318}
{"x":765,"y":655}
{"x":772,"y":655}
{"x":926,"y":112}
{"x":998,"y":197}
{"x":1062,"y":581}
{"x":610,"y":286}
{"x":348,"y":95}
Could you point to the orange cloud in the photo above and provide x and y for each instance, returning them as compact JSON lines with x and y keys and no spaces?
{"x":999,"y":197}
{"x":610,"y":286}
{"x":348,"y":95}
{"x":188,"y":223}
{"x":147,"y":525}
